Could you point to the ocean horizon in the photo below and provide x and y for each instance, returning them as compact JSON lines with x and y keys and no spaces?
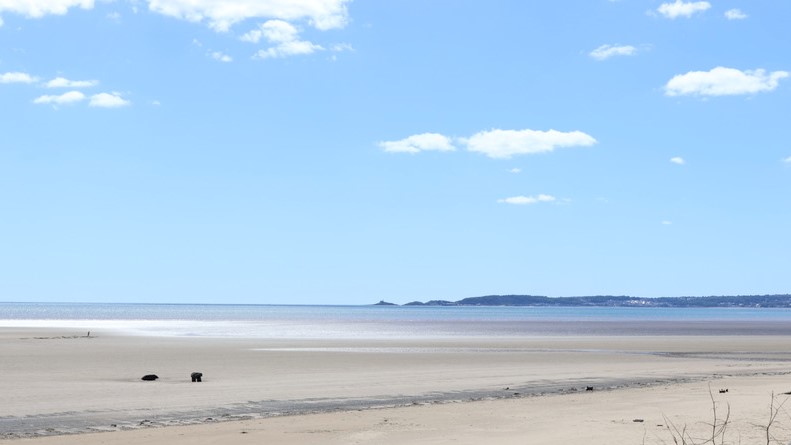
{"x":382,"y":322}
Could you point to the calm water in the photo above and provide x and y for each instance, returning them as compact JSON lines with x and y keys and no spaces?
{"x":275,"y":321}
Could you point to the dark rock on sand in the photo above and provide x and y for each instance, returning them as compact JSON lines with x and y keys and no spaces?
{"x":150,"y":377}
{"x":196,"y":376}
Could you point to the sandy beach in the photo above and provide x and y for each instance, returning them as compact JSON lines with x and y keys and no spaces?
{"x":60,"y":386}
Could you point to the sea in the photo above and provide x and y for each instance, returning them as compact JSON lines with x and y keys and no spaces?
{"x":388,"y":322}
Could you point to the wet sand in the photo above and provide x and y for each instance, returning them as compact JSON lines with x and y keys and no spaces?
{"x":59,"y":386}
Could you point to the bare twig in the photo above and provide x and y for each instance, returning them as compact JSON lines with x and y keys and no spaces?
{"x":719,"y":426}
{"x":774,"y":409}
{"x":721,"y":421}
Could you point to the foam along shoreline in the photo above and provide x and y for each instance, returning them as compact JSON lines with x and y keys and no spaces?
{"x":58,"y":382}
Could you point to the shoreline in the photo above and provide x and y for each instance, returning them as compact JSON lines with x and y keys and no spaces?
{"x":561,"y":418}
{"x":61,"y":384}
{"x":72,"y":424}
{"x":76,"y":423}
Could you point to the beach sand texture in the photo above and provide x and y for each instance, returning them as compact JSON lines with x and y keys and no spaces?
{"x":59,"y":387}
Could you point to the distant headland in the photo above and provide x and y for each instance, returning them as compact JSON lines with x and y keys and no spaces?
{"x":760,"y":301}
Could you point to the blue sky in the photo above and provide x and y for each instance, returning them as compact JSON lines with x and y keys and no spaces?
{"x":333,"y":151}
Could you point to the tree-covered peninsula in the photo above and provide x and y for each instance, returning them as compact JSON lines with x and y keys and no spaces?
{"x":760,"y":301}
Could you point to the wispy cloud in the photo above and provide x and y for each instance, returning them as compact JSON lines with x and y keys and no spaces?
{"x":108,"y":100}
{"x":63,"y":99}
{"x":735,"y":14}
{"x":682,"y":9}
{"x":667,"y":223}
{"x":515,"y":170}
{"x":283,"y":36}
{"x":17,"y":77}
{"x":272,"y":30}
{"x":503,"y":144}
{"x":419,"y":142}
{"x":221,"y":57}
{"x":285,"y":49}
{"x":62,"y":82}
{"x":787,"y":160}
{"x":340,"y":47}
{"x":605,"y":52}
{"x":723,"y":81}
{"x":678,"y":160}
{"x":101,"y":100}
{"x":222,"y":14}
{"x":527,"y":200}
{"x":497,"y":144}
{"x":40,"y":8}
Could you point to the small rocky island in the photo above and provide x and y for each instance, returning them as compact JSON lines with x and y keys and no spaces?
{"x":384,"y":303}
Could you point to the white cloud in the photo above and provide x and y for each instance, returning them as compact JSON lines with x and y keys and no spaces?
{"x":787,"y":160}
{"x":682,"y":9}
{"x":340,"y":47}
{"x":735,"y":14}
{"x":525,"y":200}
{"x":40,"y":8}
{"x":284,"y":36}
{"x":108,"y":100}
{"x":1,"y":22}
{"x":419,"y":142}
{"x":252,"y":36}
{"x":667,"y":223}
{"x":723,"y":81}
{"x":220,"y":57}
{"x":275,"y":31}
{"x":604,"y":52}
{"x":222,"y":14}
{"x":296,"y":48}
{"x":515,"y":170}
{"x":498,"y":144}
{"x":678,"y":160}
{"x":61,"y":82}
{"x":502,"y":144}
{"x":279,"y":31}
{"x":17,"y":77}
{"x":63,"y":99}
{"x":103,"y":100}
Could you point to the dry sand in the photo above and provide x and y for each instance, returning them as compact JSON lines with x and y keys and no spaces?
{"x":461,"y":390}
